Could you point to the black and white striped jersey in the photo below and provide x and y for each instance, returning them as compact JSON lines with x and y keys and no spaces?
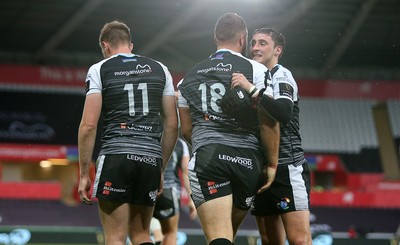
{"x":132,"y":88}
{"x":284,"y":86}
{"x":203,"y":87}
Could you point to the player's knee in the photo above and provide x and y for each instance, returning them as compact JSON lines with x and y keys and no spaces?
{"x":220,"y":241}
{"x":300,"y":240}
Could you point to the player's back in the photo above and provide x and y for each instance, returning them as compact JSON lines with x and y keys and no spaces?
{"x":203,"y":87}
{"x":132,"y":90}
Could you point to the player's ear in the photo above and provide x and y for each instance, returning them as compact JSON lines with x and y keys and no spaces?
{"x":278,"y":50}
{"x":242,"y":40}
{"x":131,"y":46}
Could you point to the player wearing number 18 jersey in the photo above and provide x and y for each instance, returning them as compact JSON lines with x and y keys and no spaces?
{"x":136,"y":98}
{"x":226,"y":168}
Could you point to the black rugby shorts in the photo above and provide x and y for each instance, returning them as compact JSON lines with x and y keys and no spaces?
{"x":127,"y":178}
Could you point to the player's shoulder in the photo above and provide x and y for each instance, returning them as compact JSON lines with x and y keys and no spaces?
{"x":193,"y":71}
{"x":150,"y":60}
{"x":256,"y":65}
{"x":282,"y":71}
{"x":98,"y":65}
{"x":283,"y":74}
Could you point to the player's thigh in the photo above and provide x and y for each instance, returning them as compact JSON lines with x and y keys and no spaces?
{"x":271,"y":229}
{"x":139,"y":221}
{"x":238,"y":216}
{"x":215,"y":216}
{"x":297,"y":225}
{"x":114,"y":217}
{"x":170,"y":225}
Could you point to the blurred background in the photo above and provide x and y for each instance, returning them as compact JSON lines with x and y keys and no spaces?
{"x":344,"y":55}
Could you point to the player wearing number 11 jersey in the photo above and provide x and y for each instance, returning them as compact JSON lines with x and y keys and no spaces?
{"x":225,"y":170}
{"x":136,"y":98}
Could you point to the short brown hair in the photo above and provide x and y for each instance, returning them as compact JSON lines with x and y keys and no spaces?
{"x":115,"y":33}
{"x":228,"y":27}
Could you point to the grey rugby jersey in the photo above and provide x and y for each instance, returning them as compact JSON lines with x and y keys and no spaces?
{"x":171,"y":173}
{"x":203,"y":87}
{"x":132,"y":87}
{"x":284,"y":86}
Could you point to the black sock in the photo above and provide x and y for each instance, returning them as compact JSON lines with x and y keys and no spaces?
{"x":147,"y":243}
{"x":158,"y":243}
{"x":220,"y":241}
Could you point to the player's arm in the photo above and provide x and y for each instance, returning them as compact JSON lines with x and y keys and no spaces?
{"x":86,"y":141}
{"x":185,"y":176}
{"x":270,"y":136}
{"x":279,"y":109}
{"x":184,"y":117}
{"x":170,"y":120}
{"x":186,"y":124}
{"x":170,"y":128}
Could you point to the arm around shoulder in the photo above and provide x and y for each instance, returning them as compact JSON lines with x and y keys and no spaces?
{"x":279,"y":109}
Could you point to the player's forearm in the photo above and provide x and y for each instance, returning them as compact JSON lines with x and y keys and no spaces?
{"x":270,"y":135}
{"x":86,"y":141}
{"x":279,"y":109}
{"x":186,"y":124}
{"x":185,"y":174}
{"x":168,"y":142}
{"x":187,"y":136}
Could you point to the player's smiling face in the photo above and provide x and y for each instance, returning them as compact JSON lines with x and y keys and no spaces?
{"x":262,"y":48}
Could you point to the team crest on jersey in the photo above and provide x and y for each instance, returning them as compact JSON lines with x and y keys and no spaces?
{"x":286,"y":90}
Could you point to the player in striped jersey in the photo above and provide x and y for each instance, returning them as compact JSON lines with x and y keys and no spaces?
{"x":136,"y":98}
{"x":226,"y":168}
{"x":285,"y":205}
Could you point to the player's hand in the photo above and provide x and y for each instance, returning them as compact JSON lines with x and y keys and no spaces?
{"x":192,"y":209}
{"x":161,"y":188}
{"x":238,"y":79}
{"x":84,"y":189}
{"x":269,"y":172}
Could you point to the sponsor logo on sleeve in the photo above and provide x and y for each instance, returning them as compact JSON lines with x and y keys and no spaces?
{"x":286,"y":89}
